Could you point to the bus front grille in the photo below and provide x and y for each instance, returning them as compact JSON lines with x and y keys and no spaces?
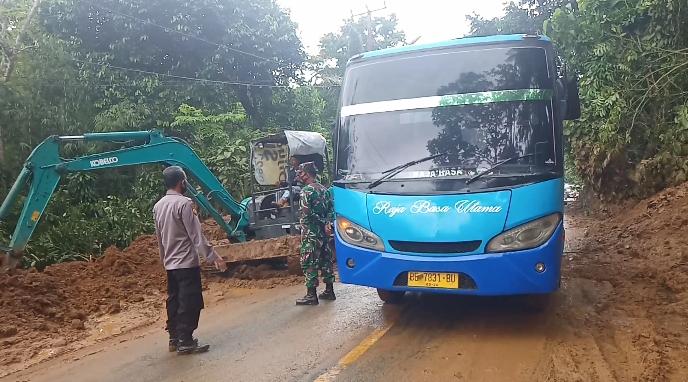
{"x":435,"y":247}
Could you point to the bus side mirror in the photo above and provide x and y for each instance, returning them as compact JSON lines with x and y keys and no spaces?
{"x":573,"y":108}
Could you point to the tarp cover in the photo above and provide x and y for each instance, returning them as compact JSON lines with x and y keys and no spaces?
{"x":305,"y":142}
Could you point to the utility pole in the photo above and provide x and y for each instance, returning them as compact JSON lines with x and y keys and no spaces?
{"x":370,"y":41}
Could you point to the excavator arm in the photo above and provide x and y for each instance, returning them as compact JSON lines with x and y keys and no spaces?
{"x":44,"y":168}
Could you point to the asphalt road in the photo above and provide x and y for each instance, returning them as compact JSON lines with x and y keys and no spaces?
{"x":262,"y":336}
{"x":258,"y":337}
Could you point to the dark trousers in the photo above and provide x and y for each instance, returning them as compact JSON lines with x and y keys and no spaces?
{"x":184,"y":303}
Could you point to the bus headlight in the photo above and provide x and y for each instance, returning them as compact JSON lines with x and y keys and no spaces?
{"x":357,"y":235}
{"x":526,"y":236}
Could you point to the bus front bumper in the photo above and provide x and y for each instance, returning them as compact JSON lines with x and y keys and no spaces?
{"x":494,"y":274}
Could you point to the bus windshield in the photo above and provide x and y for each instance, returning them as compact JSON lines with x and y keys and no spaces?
{"x":478,"y":106}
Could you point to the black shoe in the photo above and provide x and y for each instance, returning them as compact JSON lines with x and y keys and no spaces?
{"x":192,"y":348}
{"x":328,"y":294}
{"x":174,"y":344}
{"x":311,"y":298}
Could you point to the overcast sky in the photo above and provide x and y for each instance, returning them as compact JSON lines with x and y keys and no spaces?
{"x":431,"y":20}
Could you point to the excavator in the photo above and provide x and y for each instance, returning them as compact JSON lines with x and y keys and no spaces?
{"x":251,"y":217}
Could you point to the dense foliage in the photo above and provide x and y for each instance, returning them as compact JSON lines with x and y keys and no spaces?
{"x":217,"y":73}
{"x":632,"y":57}
{"x":354,"y":37}
{"x":632,"y":60}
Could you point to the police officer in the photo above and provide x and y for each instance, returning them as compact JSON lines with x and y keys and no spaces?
{"x":181,"y":242}
{"x":316,"y":226}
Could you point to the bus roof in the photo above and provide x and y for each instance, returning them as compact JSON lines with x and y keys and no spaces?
{"x":443,"y":44}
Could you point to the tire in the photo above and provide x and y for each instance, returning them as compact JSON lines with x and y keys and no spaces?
{"x":391,"y":297}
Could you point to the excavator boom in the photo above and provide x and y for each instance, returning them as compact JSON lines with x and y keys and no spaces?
{"x":44,"y":168}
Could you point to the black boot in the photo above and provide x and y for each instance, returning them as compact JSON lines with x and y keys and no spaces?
{"x":311,"y":298}
{"x":174,"y":344}
{"x":328,"y":294}
{"x":191,"y":347}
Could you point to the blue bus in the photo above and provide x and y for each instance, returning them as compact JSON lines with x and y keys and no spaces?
{"x":449,"y":167}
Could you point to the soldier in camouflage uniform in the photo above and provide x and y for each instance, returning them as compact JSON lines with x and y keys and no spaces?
{"x":316,"y":227}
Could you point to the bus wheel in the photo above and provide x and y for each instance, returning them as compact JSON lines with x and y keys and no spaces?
{"x":391,"y":297}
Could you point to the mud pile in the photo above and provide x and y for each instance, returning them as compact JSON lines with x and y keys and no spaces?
{"x":641,"y":252}
{"x":264,"y":264}
{"x":59,"y":304}
{"x":213,"y":231}
{"x":36,"y":306}
{"x":280,"y":247}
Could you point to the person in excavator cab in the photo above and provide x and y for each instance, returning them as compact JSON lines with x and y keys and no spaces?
{"x":292,"y":181}
{"x":317,"y":215}
{"x":181,"y":241}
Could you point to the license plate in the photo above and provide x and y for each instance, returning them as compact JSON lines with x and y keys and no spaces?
{"x":433,"y":280}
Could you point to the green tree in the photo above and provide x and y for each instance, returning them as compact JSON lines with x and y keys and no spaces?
{"x":522,"y":16}
{"x":15,"y":23}
{"x":230,"y":43}
{"x":92,"y":66}
{"x":632,"y":139}
{"x":354,"y":37}
{"x":336,"y":48}
{"x":221,"y":141}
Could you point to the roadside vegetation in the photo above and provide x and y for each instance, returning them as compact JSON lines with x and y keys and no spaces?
{"x":632,"y":61}
{"x":220,"y":73}
{"x":217,"y":74}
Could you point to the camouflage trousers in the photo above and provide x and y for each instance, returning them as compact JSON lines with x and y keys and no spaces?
{"x":316,"y":255}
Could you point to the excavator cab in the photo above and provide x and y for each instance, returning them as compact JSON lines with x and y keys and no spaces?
{"x":270,"y":165}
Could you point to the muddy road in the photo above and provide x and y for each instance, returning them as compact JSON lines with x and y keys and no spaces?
{"x":260,"y":336}
{"x":604,"y":325}
{"x":256,"y":335}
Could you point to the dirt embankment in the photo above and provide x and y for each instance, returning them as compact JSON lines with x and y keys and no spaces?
{"x":630,"y":273}
{"x":50,"y":309}
{"x":69,"y":305}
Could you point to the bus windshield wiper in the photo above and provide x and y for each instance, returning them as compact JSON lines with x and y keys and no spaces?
{"x":395,"y":170}
{"x":496,"y":166}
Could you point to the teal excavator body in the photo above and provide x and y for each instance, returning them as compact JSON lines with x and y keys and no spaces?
{"x":44,"y":168}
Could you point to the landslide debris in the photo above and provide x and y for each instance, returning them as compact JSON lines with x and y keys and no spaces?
{"x":53,"y":308}
{"x":36,"y":307}
{"x":641,"y":251}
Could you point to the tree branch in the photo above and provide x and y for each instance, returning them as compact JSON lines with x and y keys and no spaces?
{"x":27,"y":48}
{"x":5,"y":50}
{"x":11,"y":58}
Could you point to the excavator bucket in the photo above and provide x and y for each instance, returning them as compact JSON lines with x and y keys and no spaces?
{"x":277,"y":248}
{"x":283,"y":250}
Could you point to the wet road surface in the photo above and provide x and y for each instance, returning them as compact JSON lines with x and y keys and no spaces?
{"x":454,"y":338}
{"x":261,"y":336}
{"x":258,"y":337}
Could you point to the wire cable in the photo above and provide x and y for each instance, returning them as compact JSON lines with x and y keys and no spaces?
{"x":179,"y":77}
